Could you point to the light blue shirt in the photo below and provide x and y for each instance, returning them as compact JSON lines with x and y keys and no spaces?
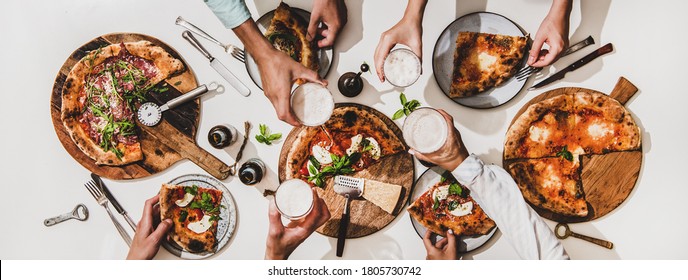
{"x":231,"y":13}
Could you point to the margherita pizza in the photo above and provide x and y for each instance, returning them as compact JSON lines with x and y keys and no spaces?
{"x":100,"y":94}
{"x":195,"y":213}
{"x":288,"y":33}
{"x":483,"y":61}
{"x":352,"y":140}
{"x":543,"y":147}
{"x":448,"y":205}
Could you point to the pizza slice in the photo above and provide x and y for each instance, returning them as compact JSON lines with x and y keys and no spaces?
{"x":100,"y":96}
{"x":603,"y":125}
{"x":351,"y":141}
{"x":483,"y":61}
{"x":552,"y":184}
{"x":287,"y":33}
{"x":195,"y":213}
{"x":448,"y":205}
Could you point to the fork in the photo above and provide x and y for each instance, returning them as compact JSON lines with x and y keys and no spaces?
{"x":103,"y":201}
{"x":235,"y":51}
{"x":528,"y":71}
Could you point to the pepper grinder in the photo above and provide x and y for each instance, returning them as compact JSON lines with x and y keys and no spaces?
{"x":350,"y":84}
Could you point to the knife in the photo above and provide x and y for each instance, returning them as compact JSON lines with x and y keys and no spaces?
{"x":219,"y":67}
{"x":578,"y":64}
{"x":112,"y":199}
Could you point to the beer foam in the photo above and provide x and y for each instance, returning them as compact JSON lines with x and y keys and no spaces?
{"x":294,"y":198}
{"x":312,"y":103}
{"x":425,"y":130}
{"x":402,"y":68}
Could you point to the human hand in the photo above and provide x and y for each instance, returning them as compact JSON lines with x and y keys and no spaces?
{"x":283,"y":240}
{"x":407,"y":31}
{"x":554,"y":31}
{"x":452,"y":153}
{"x":445,"y":249}
{"x":333,"y":15}
{"x":147,"y":239}
{"x":278,"y":73}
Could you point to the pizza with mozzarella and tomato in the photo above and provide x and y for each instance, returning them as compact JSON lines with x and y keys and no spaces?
{"x":195,"y":213}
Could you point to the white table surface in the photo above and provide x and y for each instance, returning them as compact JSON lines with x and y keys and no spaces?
{"x":40,"y":179}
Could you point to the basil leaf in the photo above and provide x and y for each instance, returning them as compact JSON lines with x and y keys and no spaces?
{"x":398,"y":114}
{"x":402,"y":98}
{"x":565,"y":154}
{"x":455,"y":188}
{"x":312,"y":169}
{"x":407,"y":111}
{"x":182,"y":216}
{"x":195,"y":205}
{"x":314,"y":162}
{"x":436,"y":204}
{"x":274,"y":136}
{"x":263,"y":128}
{"x":355,"y":157}
{"x":261,"y":139}
{"x":453,"y":205}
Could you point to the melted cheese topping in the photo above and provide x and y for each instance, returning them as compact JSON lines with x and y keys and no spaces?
{"x":539,"y":135}
{"x":321,"y":154}
{"x":200,"y":226}
{"x":185,"y":200}
{"x":552,"y":180}
{"x":355,"y":143}
{"x":599,"y":130}
{"x":463,"y":209}
{"x":441,"y":193}
{"x":485,"y":61}
{"x":375,"y":152}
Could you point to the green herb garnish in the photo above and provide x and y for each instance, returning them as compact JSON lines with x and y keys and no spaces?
{"x":265,"y":136}
{"x":406,"y":107}
{"x":565,"y":154}
{"x":182,"y":216}
{"x":436,"y":204}
{"x":453,"y":205}
{"x":193,"y":190}
{"x":456,"y":189}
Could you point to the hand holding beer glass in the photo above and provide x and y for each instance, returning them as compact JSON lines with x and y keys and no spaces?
{"x":433,"y":138}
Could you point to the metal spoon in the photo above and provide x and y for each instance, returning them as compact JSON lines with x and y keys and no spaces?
{"x":568,"y":232}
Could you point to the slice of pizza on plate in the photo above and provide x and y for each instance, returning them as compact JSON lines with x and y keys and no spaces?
{"x":195,"y":213}
{"x":100,"y":95}
{"x":483,"y":61}
{"x":448,"y":205}
{"x":288,"y":33}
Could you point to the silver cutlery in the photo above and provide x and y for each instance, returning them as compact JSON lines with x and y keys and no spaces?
{"x":217,"y":65}
{"x":80,"y":212}
{"x":528,"y":71}
{"x":103,"y":201}
{"x":235,"y":51}
{"x":114,"y":202}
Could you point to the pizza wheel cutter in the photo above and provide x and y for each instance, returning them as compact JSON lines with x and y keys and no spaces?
{"x":80,"y":212}
{"x":150,"y":114}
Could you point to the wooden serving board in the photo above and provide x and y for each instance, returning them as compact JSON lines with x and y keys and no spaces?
{"x":172,"y":140}
{"x":365,"y":217}
{"x":608,"y":179}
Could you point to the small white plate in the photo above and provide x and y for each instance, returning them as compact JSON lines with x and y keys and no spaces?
{"x":324,"y":54}
{"x":228,"y":213}
{"x":429,"y":178}
{"x":443,"y":58}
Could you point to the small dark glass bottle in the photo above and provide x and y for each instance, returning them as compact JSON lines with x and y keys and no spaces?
{"x":252,"y":171}
{"x":221,"y":136}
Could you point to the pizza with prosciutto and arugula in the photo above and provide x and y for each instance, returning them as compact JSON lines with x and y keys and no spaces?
{"x":100,"y":96}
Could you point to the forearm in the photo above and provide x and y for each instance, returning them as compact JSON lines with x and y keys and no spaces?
{"x":560,"y":10}
{"x":253,"y":40}
{"x":497,"y":193}
{"x":415,"y":10}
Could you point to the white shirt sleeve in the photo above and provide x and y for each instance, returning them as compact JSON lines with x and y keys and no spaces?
{"x":497,"y":193}
{"x":231,"y":13}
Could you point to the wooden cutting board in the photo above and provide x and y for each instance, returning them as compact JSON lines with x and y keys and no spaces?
{"x":607,"y":179}
{"x":172,"y":140}
{"x":365,"y":217}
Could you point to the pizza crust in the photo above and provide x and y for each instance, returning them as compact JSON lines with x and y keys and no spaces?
{"x":184,"y":237}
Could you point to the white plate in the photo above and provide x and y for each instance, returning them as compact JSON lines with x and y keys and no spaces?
{"x":324,"y":54}
{"x":426,"y":180}
{"x":443,"y":58}
{"x":228,"y":213}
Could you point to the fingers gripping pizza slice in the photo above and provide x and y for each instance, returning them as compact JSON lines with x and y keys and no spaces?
{"x":352,"y":140}
{"x":448,"y":205}
{"x":195,"y":213}
{"x":100,"y":94}
{"x":483,"y":61}
{"x":288,"y":33}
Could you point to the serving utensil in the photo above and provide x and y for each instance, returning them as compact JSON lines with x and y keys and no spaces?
{"x":219,"y":67}
{"x":235,"y":51}
{"x":113,"y":200}
{"x":80,"y":212}
{"x":149,"y":114}
{"x":103,"y":201}
{"x":348,"y":187}
{"x":568,"y":232}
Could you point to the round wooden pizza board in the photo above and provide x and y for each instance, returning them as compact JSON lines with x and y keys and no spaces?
{"x":170,"y":141}
{"x":608,"y":179}
{"x":365,"y":217}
